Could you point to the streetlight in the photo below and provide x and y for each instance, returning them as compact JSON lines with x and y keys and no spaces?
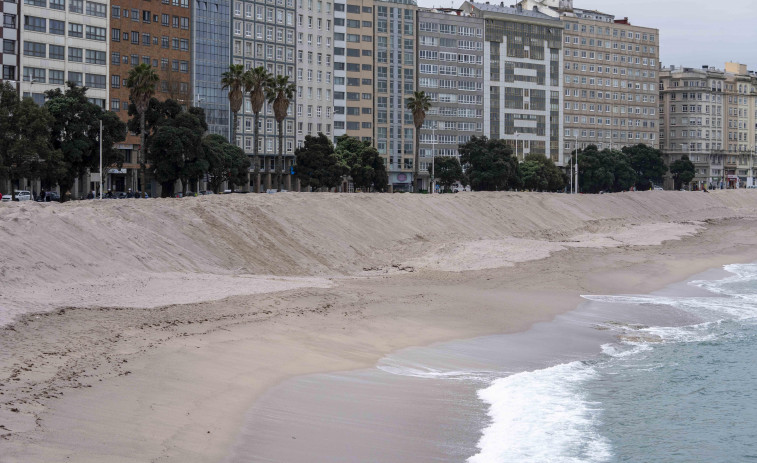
{"x":575,"y":164}
{"x":516,"y":146}
{"x":433,"y":157}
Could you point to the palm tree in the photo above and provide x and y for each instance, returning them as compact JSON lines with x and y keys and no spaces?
{"x":141,"y":82}
{"x":255,"y":81}
{"x":233,"y":79}
{"x":418,"y":104}
{"x":280,"y":92}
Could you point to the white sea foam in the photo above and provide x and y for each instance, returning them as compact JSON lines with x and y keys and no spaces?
{"x":542,"y":416}
{"x":417,"y":370}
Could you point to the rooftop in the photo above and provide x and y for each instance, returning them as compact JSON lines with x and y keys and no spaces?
{"x":501,"y":8}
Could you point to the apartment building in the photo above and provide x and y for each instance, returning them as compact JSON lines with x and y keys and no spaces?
{"x":210,"y":49}
{"x":263,"y":34}
{"x":340,"y":67}
{"x":522,"y":78}
{"x":395,"y":77}
{"x":451,"y":72}
{"x":154,"y":33}
{"x":354,"y":69}
{"x":10,"y":33}
{"x":64,"y":40}
{"x":709,"y":115}
{"x":610,"y":77}
{"x":315,"y":68}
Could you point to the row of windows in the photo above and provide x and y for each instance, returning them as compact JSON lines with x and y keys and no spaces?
{"x":611,"y":134}
{"x":74,"y":6}
{"x":271,"y":15}
{"x":607,"y":121}
{"x":174,"y":43}
{"x":451,"y":29}
{"x":428,"y":41}
{"x":55,"y":76}
{"x":608,"y":57}
{"x":607,"y":44}
{"x":147,"y":17}
{"x":600,"y":30}
{"x":606,"y":70}
{"x":58,"y":52}
{"x":134,"y":60}
{"x":36,"y":24}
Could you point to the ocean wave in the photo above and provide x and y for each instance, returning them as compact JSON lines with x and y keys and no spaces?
{"x":542,"y":416}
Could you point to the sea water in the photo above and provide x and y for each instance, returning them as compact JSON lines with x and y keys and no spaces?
{"x":659,"y":394}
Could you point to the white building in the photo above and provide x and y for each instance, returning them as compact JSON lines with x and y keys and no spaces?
{"x":65,"y":40}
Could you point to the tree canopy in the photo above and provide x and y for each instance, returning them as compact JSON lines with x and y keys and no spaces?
{"x":25,"y":149}
{"x":75,"y":131}
{"x":683,"y":171}
{"x":648,"y":164}
{"x":606,"y":170}
{"x":226,"y":162}
{"x":540,"y":173}
{"x":489,"y":164}
{"x":317,"y":164}
{"x":364,"y":164}
{"x":448,"y":171}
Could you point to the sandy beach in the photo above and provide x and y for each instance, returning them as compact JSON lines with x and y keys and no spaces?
{"x":142,"y":331}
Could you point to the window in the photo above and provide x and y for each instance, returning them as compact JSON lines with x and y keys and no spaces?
{"x":115,"y":81}
{"x":115,"y":104}
{"x":75,"y":77}
{"x":146,"y":39}
{"x":185,"y":23}
{"x":40,"y":3}
{"x":58,"y":5}
{"x":146,"y":16}
{"x":9,"y":46}
{"x":95,"y":57}
{"x":135,"y":37}
{"x":115,"y":35}
{"x":35,"y":24}
{"x":97,"y":9}
{"x":9,"y":21}
{"x":34,"y":74}
{"x":95,"y":80}
{"x":75,"y":54}
{"x":56,"y":77}
{"x":164,"y":42}
{"x":34,"y":49}
{"x":57,"y":52}
{"x":76,"y":6}
{"x":96,"y":33}
{"x":164,"y":20}
{"x":115,"y":59}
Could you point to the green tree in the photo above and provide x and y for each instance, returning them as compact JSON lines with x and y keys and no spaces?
{"x":75,"y":131}
{"x":683,"y":171}
{"x":227,"y":162}
{"x":606,"y":170}
{"x":539,"y":173}
{"x":317,"y":164}
{"x":489,"y":164}
{"x":176,"y":151}
{"x":648,"y":164}
{"x":448,"y":170}
{"x":233,"y":79}
{"x":418,"y":104}
{"x":365,"y":166}
{"x":141,"y":83}
{"x":255,"y":83}
{"x":25,"y":149}
{"x":280,"y":92}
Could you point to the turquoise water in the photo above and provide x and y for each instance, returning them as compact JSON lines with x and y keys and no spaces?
{"x":663,"y":394}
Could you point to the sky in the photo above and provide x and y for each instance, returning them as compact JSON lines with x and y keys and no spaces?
{"x":692,"y":32}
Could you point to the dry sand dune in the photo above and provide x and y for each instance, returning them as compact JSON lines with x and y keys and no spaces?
{"x":131,"y":253}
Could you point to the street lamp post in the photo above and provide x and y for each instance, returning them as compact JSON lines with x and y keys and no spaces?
{"x":433,"y":157}
{"x":516,"y":146}
{"x":575,"y":164}
{"x":683,"y":145}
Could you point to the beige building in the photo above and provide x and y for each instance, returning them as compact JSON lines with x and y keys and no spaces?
{"x":610,"y":77}
{"x":353,"y":69}
{"x":709,"y":115}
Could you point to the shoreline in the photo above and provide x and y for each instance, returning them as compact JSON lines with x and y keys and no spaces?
{"x":178,"y":380}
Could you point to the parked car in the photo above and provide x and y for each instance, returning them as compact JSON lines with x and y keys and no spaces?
{"x":6,"y":198}
{"x":657,"y":187}
{"x":206,"y":192}
{"x":50,"y":196}
{"x":24,"y":195}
